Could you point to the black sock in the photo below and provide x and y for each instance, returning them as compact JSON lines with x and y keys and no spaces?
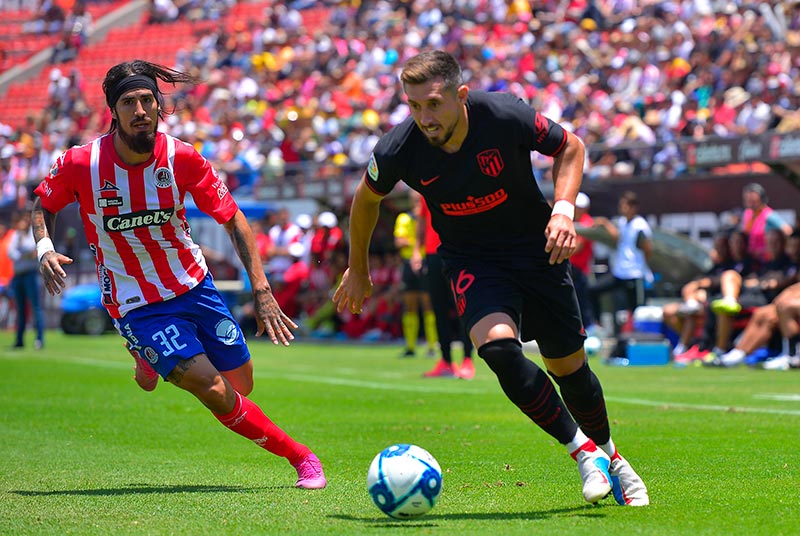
{"x":583,"y":395}
{"x":447,"y":356}
{"x":529,"y":388}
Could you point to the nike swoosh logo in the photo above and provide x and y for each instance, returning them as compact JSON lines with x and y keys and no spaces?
{"x":429,"y":181}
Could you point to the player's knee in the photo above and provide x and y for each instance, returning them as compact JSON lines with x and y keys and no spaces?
{"x":580,"y":380}
{"x":217,"y":395}
{"x":500,"y":351}
{"x":201,"y":379}
{"x":242,"y":383}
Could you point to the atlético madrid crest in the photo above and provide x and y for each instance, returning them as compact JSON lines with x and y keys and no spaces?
{"x":490,"y":162}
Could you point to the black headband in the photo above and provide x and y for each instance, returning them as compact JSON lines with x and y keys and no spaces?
{"x":136,"y":81}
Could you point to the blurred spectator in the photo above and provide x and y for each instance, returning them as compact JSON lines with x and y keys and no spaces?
{"x":49,"y":18}
{"x":686,"y":317}
{"x":292,"y":282}
{"x":581,"y":262}
{"x":12,"y":177}
{"x":759,"y":218}
{"x":746,"y":293}
{"x":162,"y":11}
{"x":283,"y":233}
{"x":25,"y":283}
{"x":630,"y":275}
{"x":264,"y":243}
{"x":6,"y":275}
{"x":327,"y":237}
{"x":74,"y":33}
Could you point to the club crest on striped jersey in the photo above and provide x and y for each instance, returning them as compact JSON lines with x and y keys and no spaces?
{"x":164,"y":178}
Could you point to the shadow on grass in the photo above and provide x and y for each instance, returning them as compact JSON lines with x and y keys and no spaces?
{"x":431,"y":519}
{"x":143,"y":489}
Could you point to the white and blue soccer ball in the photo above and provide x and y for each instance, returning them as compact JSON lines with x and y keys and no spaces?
{"x":404,"y":481}
{"x":593,"y":346}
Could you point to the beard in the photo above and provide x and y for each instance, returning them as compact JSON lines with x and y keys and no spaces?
{"x":139,"y":143}
{"x":441,"y":140}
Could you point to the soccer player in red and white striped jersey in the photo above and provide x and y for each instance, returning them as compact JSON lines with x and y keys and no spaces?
{"x":131,"y":185}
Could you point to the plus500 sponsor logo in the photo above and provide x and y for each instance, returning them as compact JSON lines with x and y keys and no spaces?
{"x":475,"y":205}
{"x":134,"y":220}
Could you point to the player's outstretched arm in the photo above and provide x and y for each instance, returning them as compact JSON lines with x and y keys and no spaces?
{"x":50,"y":261}
{"x":356,"y":284}
{"x":269,"y":316}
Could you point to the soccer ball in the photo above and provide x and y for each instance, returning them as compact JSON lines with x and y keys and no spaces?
{"x":404,"y":481}
{"x":592,"y":345}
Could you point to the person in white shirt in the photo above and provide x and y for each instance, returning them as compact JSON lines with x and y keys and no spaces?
{"x":630,"y":274}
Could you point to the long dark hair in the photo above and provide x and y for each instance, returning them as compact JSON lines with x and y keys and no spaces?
{"x":121,"y":71}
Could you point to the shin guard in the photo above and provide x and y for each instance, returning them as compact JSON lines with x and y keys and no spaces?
{"x":529,"y":388}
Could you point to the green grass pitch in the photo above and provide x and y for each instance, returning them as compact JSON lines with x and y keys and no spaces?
{"x":84,"y":451}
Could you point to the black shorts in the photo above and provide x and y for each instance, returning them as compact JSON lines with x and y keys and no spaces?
{"x":414,"y":281}
{"x":541,"y":300}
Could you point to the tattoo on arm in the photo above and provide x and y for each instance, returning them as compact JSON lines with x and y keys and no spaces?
{"x":240,"y":243}
{"x":42,"y":222}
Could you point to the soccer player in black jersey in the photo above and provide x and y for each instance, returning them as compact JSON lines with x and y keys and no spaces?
{"x":504,"y":251}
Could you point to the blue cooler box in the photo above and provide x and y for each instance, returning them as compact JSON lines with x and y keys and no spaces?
{"x":648,"y":353}
{"x":649,"y":319}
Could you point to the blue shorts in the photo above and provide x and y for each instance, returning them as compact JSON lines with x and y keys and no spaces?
{"x":197,"y":322}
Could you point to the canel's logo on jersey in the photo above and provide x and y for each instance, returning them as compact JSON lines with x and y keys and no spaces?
{"x":163,"y":177}
{"x":372,"y":168}
{"x":490,"y":162}
{"x":227,"y":332}
{"x":134,"y":220}
{"x":475,"y":205}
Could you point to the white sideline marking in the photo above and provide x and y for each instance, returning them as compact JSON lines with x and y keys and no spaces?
{"x":780,"y":397}
{"x":450,"y":388}
{"x":703,"y":407}
{"x":432,"y":388}
{"x":381,"y":386}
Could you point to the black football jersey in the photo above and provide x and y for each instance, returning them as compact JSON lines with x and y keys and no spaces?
{"x":483,"y":199}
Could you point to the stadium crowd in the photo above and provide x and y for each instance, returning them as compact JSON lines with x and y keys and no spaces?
{"x":630,"y":78}
{"x":282,"y":100}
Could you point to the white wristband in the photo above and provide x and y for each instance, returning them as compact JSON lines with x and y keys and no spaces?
{"x":562,"y":206}
{"x":43,"y":246}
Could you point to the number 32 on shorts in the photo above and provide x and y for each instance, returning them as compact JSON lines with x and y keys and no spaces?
{"x":168,"y":339}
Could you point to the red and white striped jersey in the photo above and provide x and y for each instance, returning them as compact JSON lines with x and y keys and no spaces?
{"x":135,"y":218}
